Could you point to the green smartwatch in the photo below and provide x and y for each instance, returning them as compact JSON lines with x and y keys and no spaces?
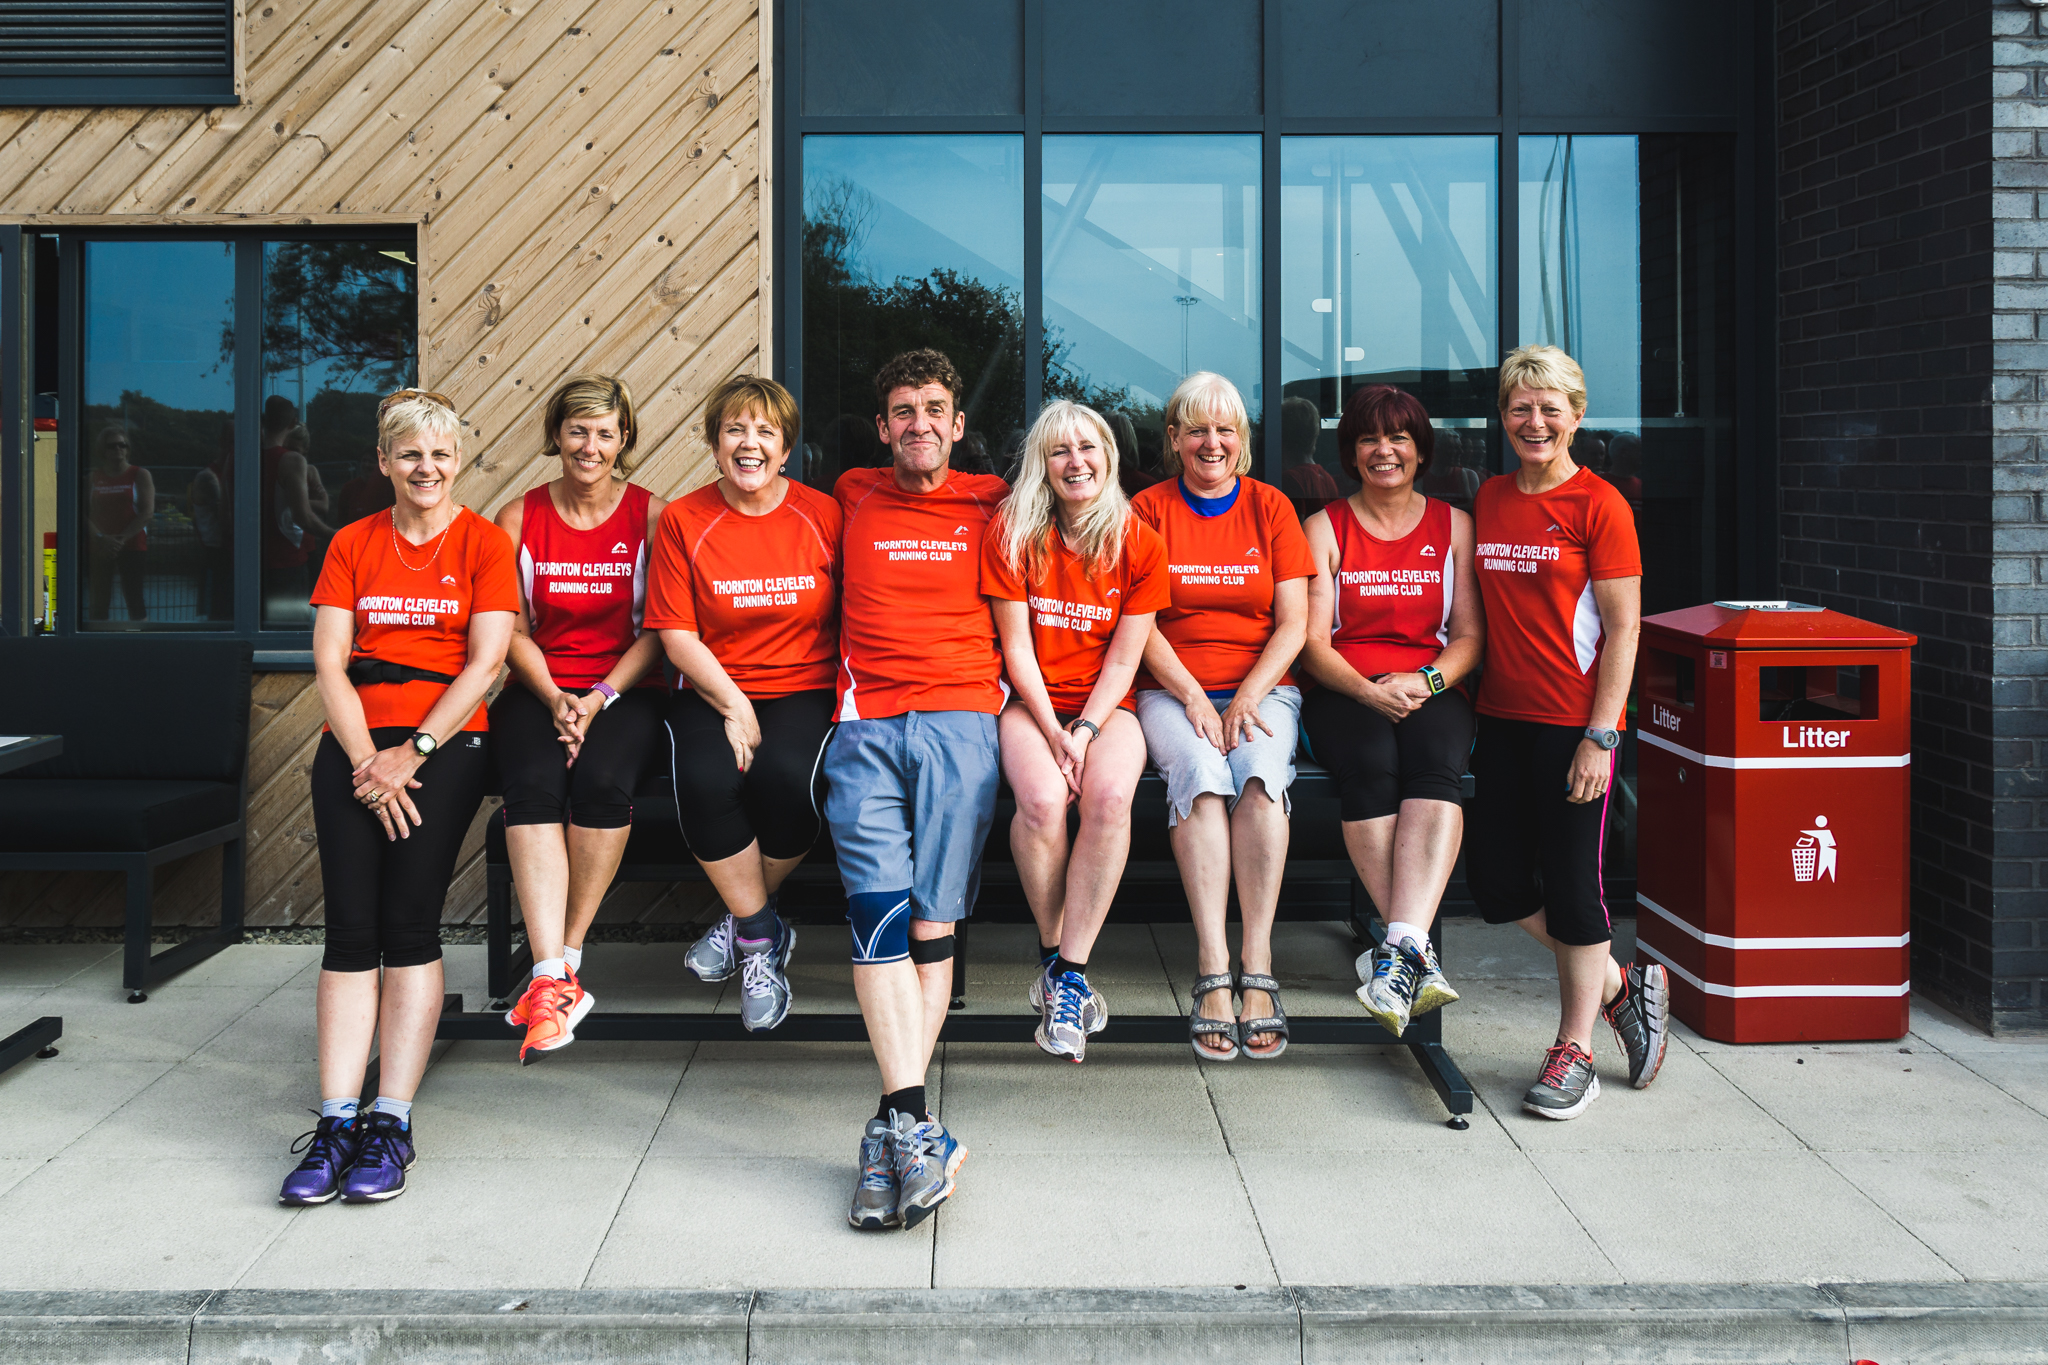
{"x":1433,"y":678}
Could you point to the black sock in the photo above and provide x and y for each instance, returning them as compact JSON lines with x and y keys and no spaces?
{"x":1062,"y":965}
{"x":909,"y":1100}
{"x":763,"y":926}
{"x":1046,"y":953}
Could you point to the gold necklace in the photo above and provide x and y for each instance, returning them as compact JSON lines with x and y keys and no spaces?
{"x":439,"y":541}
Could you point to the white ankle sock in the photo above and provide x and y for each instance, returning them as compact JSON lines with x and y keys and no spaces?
{"x":1400,"y":932}
{"x":554,"y":966}
{"x":574,"y":957}
{"x":339,"y":1109}
{"x":386,"y":1105}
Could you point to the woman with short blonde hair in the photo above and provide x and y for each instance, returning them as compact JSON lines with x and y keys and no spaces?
{"x":1073,"y":580}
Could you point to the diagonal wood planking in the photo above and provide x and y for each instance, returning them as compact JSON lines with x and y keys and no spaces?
{"x":586,"y":179}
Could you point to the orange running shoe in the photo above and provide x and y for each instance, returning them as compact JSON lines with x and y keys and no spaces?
{"x":553,"y":1007}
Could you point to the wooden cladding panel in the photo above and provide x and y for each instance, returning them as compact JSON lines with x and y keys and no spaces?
{"x":586,"y":179}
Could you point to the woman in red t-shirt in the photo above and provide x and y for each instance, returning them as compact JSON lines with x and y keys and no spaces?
{"x":1562,"y":578}
{"x":414,"y":613}
{"x":1239,"y":568}
{"x":1074,"y":581}
{"x":1395,"y":630}
{"x":745,"y":593}
{"x":577,"y":727}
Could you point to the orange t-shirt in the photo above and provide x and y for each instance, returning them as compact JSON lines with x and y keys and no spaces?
{"x":1224,"y":571}
{"x":762,"y":593}
{"x":1538,"y":558}
{"x":915,"y":632}
{"x":417,"y":617}
{"x":1074,"y":613}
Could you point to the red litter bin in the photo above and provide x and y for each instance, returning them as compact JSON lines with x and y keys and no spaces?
{"x":1772,"y":773}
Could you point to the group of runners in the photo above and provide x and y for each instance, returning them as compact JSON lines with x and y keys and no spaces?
{"x":883,"y":658}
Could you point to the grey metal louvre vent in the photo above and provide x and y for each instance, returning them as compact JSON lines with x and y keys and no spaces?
{"x":78,"y":52}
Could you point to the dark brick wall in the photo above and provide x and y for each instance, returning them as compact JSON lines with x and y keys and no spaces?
{"x":1885,"y":422}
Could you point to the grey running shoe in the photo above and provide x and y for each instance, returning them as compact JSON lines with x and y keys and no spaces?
{"x":1432,"y":992}
{"x":1389,"y":992}
{"x":1094,"y":1013}
{"x":874,"y":1194}
{"x":926,"y":1158}
{"x":764,"y":986}
{"x":1641,"y":1016}
{"x":1566,"y":1086}
{"x":1061,"y":1030}
{"x":715,"y":957}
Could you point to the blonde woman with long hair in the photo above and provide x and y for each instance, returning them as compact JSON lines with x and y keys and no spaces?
{"x":1073,"y":580}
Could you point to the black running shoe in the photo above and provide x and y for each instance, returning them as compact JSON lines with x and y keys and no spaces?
{"x":1567,"y":1085}
{"x":1641,"y":1016}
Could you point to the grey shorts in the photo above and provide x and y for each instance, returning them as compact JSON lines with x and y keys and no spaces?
{"x":1193,"y":766}
{"x":911,"y":801}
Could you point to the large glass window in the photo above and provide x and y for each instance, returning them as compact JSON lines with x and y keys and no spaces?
{"x":911,"y":241}
{"x":1151,"y":271}
{"x":1388,"y":257}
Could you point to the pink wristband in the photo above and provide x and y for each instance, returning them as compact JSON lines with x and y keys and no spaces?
{"x":607,"y":691}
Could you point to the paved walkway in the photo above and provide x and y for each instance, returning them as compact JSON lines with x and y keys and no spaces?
{"x":147,"y":1155}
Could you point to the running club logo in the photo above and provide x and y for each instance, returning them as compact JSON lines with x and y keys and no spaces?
{"x":1429,"y":549}
{"x":619,"y":548}
{"x":1813,"y":855}
{"x":449,"y":579}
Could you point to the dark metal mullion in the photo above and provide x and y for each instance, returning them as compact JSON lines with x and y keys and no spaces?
{"x":1508,"y":250}
{"x":1272,"y":82}
{"x":70,"y":415}
{"x":1755,"y":492}
{"x":789,"y":208}
{"x":1150,"y":123}
{"x":17,"y":419}
{"x":247,"y":531}
{"x":1033,"y":348}
{"x":897,"y":123}
{"x":1376,"y":126}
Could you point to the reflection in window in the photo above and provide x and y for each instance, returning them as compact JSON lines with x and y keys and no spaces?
{"x":1388,"y":256}
{"x":339,"y":332}
{"x":911,"y":241}
{"x":1151,"y":272}
{"x":1627,"y":262}
{"x":158,"y":434}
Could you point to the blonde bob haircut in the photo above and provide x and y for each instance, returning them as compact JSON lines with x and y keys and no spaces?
{"x":1029,"y":522}
{"x":1543,"y":367}
{"x":750,"y":393}
{"x":411,"y":412}
{"x":1205,"y":397}
{"x":591,"y":395}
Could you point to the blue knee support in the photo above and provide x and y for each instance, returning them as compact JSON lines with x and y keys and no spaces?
{"x":881,"y":925}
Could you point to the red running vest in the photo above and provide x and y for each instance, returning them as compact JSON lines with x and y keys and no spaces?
{"x":1393,"y":608}
{"x":586,"y":591}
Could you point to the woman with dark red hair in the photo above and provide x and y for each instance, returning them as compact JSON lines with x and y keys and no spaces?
{"x":1394,"y":629}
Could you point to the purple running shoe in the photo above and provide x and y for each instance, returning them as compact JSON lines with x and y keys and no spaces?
{"x":330,"y":1149}
{"x":381,"y":1162}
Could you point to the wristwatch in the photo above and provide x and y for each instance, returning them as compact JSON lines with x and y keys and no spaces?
{"x":1094,"y":730}
{"x":1606,"y":739}
{"x":1432,"y":677}
{"x":424,"y":744}
{"x":608,"y":692}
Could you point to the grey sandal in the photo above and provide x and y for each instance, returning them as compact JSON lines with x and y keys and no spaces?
{"x":1273,"y":1023}
{"x":1198,"y":1025}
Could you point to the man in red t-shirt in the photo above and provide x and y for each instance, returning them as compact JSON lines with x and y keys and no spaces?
{"x":913,"y":765}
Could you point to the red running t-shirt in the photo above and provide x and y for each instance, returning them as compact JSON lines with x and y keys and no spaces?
{"x":1538,"y":558}
{"x":1074,"y":613}
{"x":585,"y":590}
{"x":915,"y":632}
{"x":1223,"y":571}
{"x":1393,"y":598}
{"x":762,"y":593}
{"x":412,"y":605}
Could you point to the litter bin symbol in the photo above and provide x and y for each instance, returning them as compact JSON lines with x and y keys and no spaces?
{"x":1814,"y":855}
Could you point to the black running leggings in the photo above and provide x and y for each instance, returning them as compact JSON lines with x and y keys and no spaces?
{"x":1378,"y":764}
{"x":1527,"y":847}
{"x":723,"y":809}
{"x":620,"y":746}
{"x":384,"y":896}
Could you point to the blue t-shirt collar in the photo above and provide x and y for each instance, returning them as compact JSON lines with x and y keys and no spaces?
{"x":1210,"y":507}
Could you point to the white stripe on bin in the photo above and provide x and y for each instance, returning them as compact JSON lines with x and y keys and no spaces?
{"x":1723,"y":941}
{"x":1746,"y":764}
{"x":1777,"y":992}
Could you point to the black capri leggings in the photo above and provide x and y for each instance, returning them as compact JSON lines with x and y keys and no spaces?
{"x":384,"y":896}
{"x":1527,"y":847}
{"x":619,"y":749}
{"x":1378,"y":764}
{"x":775,"y":801}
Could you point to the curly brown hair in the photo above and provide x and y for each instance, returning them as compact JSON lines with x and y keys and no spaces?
{"x":914,"y":370}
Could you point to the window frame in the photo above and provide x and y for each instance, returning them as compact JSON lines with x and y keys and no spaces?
{"x":275,"y":649}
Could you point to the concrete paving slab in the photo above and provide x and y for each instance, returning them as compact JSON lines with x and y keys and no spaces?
{"x":15,"y":1169}
{"x":51,"y":1103}
{"x":1124,"y":1100}
{"x":132,"y":1328}
{"x":583,"y":1052}
{"x":1008,"y":954}
{"x":774,"y":1099}
{"x":1308,"y":951}
{"x":243,"y":966}
{"x":1878,"y":1099}
{"x":39,"y":965}
{"x":760,"y":1222}
{"x":1124,"y":997}
{"x":99,"y":1025}
{"x":2020,"y":1074}
{"x":462,"y":1223}
{"x":1696,"y":1217}
{"x":1030,"y":1220}
{"x":281,"y":1026}
{"x":1958,"y":1324}
{"x":498,"y":1108}
{"x":1252,"y":1326}
{"x":656,"y":966}
{"x":1325,"y":1220}
{"x":1338,"y":1099}
{"x":101,"y":1223}
{"x":178,"y":1116}
{"x":1980,"y":1212}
